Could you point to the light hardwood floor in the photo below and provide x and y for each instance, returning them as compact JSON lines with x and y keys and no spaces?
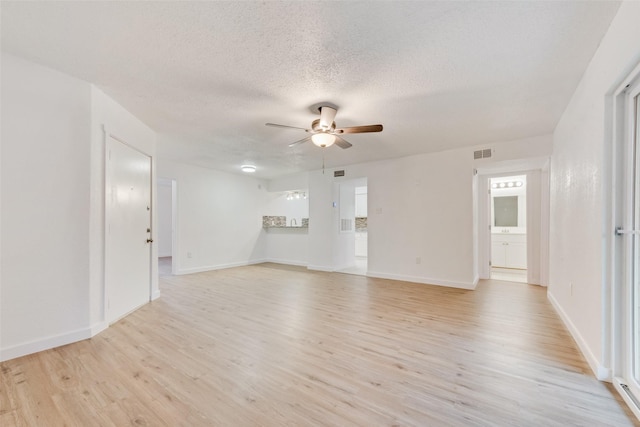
{"x":274,"y":345}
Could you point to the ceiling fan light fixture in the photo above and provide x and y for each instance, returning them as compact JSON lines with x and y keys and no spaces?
{"x":248,"y":168}
{"x":323,"y":139}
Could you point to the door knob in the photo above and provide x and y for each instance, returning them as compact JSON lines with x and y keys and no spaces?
{"x":149,"y":240}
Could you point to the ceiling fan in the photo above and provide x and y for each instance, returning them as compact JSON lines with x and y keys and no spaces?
{"x":324,"y":132}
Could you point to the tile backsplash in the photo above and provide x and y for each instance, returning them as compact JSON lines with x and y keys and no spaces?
{"x":361,"y":223}
{"x":281,"y":221}
{"x":274,"y":221}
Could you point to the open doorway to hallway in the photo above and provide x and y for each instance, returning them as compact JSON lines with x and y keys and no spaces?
{"x":354,"y":204}
{"x":508,"y":204}
{"x":165,"y":235}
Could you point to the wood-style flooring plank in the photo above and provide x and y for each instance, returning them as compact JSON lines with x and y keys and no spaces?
{"x":275,"y":345}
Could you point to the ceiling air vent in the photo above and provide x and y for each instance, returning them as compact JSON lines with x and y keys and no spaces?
{"x":338,"y":173}
{"x":482,"y":154}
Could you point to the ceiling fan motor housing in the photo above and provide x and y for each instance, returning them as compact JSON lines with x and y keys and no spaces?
{"x":315,"y":126}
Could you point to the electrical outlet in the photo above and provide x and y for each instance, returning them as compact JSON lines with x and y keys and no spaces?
{"x":188,"y":254}
{"x":418,"y":260}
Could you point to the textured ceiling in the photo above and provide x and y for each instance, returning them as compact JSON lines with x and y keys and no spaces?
{"x":207,"y":75}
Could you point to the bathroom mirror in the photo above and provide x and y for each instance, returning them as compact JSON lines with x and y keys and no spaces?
{"x":505,"y":211}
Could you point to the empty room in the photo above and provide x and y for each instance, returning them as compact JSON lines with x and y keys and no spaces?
{"x":320,"y":213}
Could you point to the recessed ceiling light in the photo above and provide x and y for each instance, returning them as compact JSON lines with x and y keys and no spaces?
{"x":248,"y":168}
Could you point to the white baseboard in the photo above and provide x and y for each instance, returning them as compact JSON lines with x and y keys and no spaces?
{"x":320,"y":268}
{"x":155,"y":294}
{"x":46,"y":343}
{"x":423,"y":280}
{"x":96,"y":328}
{"x":602,"y":373}
{"x":218,"y":267}
{"x":285,"y":262}
{"x":617,"y":383}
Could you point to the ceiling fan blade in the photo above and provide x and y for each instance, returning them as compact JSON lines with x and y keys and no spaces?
{"x":340,"y":142}
{"x":360,"y":129}
{"x":293,"y":144}
{"x":327,"y":115}
{"x":275,"y":125}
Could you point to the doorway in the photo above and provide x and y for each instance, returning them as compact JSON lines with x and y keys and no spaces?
{"x":353,"y":232}
{"x":361,"y":232}
{"x":534,"y":214}
{"x":128,"y":229}
{"x":166,"y":225}
{"x":508,"y":204}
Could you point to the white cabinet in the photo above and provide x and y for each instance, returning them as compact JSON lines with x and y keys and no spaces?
{"x":361,"y":205}
{"x":509,"y":250}
{"x":361,"y":244}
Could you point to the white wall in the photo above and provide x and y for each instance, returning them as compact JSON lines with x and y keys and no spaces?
{"x":46,"y":134}
{"x":289,"y":182}
{"x":52,"y":228}
{"x":165,"y":218}
{"x":418,"y":207}
{"x":287,"y":246}
{"x":579,"y":172}
{"x":218,"y":218}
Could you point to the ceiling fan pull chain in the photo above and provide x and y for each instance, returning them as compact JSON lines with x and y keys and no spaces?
{"x":323,"y":164}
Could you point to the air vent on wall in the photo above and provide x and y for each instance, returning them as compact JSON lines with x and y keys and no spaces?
{"x":338,"y":173}
{"x":346,"y":225}
{"x":482,"y":154}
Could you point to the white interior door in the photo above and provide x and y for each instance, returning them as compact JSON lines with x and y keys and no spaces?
{"x":128,"y":229}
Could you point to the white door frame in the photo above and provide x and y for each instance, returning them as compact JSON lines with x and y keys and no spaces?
{"x":108,"y":134}
{"x":537,"y":216}
{"x":618,"y":295}
{"x":173,"y":183}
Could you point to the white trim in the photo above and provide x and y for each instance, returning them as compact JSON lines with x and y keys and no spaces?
{"x":537,"y":214}
{"x":601,"y":372}
{"x":423,"y":280}
{"x":616,"y":293}
{"x":617,"y":383}
{"x":219,"y":266}
{"x":320,"y":268}
{"x":285,"y":262}
{"x":483,"y":224}
{"x":114,"y":321}
{"x":47,"y":343}
{"x":155,"y":295}
{"x":174,"y":226}
{"x":98,"y":327}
